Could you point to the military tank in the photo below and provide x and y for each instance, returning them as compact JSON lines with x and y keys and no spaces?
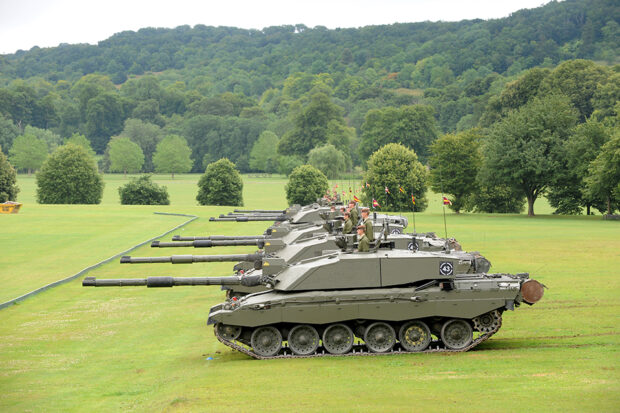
{"x":310,"y":214}
{"x":379,"y":302}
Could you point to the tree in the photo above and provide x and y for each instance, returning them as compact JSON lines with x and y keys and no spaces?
{"x":8,"y":132}
{"x":51,"y":139}
{"x":305,"y":185}
{"x":604,"y":178}
{"x":496,"y":199}
{"x":81,"y":140}
{"x":8,"y":180}
{"x":143,"y":191}
{"x":286,"y":164}
{"x":147,"y":135}
{"x":263,"y":156}
{"x":172,"y":155}
{"x":394,"y":166}
{"x":567,"y":191}
{"x":69,"y":176}
{"x":454,"y":162}
{"x":523,"y":150}
{"x":312,"y":126}
{"x":577,"y":79}
{"x":221,"y":184}
{"x":125,"y":156}
{"x":328,"y":160}
{"x":28,"y":152}
{"x":104,"y":118}
{"x":412,"y":126}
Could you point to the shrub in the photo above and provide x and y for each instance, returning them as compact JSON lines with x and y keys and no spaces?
{"x":395,"y":166}
{"x":305,"y":185}
{"x":8,"y":178}
{"x":221,"y":184}
{"x":69,"y":176}
{"x":143,"y":191}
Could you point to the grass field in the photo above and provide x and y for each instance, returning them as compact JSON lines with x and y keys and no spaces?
{"x":77,"y":349}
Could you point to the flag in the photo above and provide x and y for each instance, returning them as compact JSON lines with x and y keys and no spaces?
{"x":400,"y":188}
{"x":375,"y":204}
{"x":387,"y":191}
{"x":356,"y":199}
{"x":412,"y":199}
{"x":446,"y":201}
{"x":367,"y":185}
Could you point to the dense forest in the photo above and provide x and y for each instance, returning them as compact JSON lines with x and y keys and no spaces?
{"x":271,"y":99}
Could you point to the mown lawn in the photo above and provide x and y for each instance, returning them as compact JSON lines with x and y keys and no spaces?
{"x":135,"y":349}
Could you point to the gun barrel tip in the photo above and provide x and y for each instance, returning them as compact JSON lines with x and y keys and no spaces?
{"x":88,"y":282}
{"x":125,"y":259}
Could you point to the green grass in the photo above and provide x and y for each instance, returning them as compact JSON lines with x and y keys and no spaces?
{"x":135,"y":349}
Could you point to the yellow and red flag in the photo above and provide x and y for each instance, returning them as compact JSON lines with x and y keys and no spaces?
{"x":356,"y":199}
{"x":375,"y":204}
{"x":387,"y":191}
{"x":446,"y":201}
{"x":400,"y":188}
{"x":367,"y":185}
{"x":412,"y":199}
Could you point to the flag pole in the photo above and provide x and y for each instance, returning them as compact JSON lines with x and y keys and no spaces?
{"x":443,"y":204}
{"x":413,"y":210}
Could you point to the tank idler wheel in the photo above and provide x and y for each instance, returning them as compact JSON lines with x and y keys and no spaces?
{"x":415,"y":336}
{"x":303,"y":340}
{"x":228,"y":332}
{"x":338,"y":339}
{"x":487,"y":322}
{"x":380,"y":337}
{"x":456,"y":334}
{"x":266,"y":341}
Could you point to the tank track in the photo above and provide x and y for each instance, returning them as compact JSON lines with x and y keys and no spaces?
{"x":358,"y":349}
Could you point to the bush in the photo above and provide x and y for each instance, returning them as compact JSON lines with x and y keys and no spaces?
{"x":305,"y":185}
{"x":329,"y":160}
{"x":395,"y":166}
{"x":8,"y":178}
{"x":69,"y":176}
{"x":221,"y":184}
{"x":143,"y":191}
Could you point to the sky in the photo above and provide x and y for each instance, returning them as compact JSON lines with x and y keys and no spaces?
{"x":47,"y":23}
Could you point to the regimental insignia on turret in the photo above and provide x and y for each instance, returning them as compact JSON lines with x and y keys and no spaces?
{"x":446,"y":268}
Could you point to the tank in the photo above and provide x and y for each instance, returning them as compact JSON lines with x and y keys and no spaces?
{"x":352,"y":303}
{"x":312,"y":214}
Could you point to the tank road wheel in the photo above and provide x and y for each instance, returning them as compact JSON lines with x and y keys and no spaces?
{"x":338,"y":339}
{"x":303,"y":340}
{"x":414,"y":336}
{"x":380,"y":337}
{"x":488,"y":322}
{"x":228,"y":332}
{"x":456,"y":334}
{"x":266,"y":341}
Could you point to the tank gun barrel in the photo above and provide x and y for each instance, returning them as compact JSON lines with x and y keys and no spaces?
{"x":255,"y":211}
{"x":188,"y":259}
{"x":208,"y":243}
{"x":152,"y":282}
{"x":219,"y":238}
{"x":249,"y":218}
